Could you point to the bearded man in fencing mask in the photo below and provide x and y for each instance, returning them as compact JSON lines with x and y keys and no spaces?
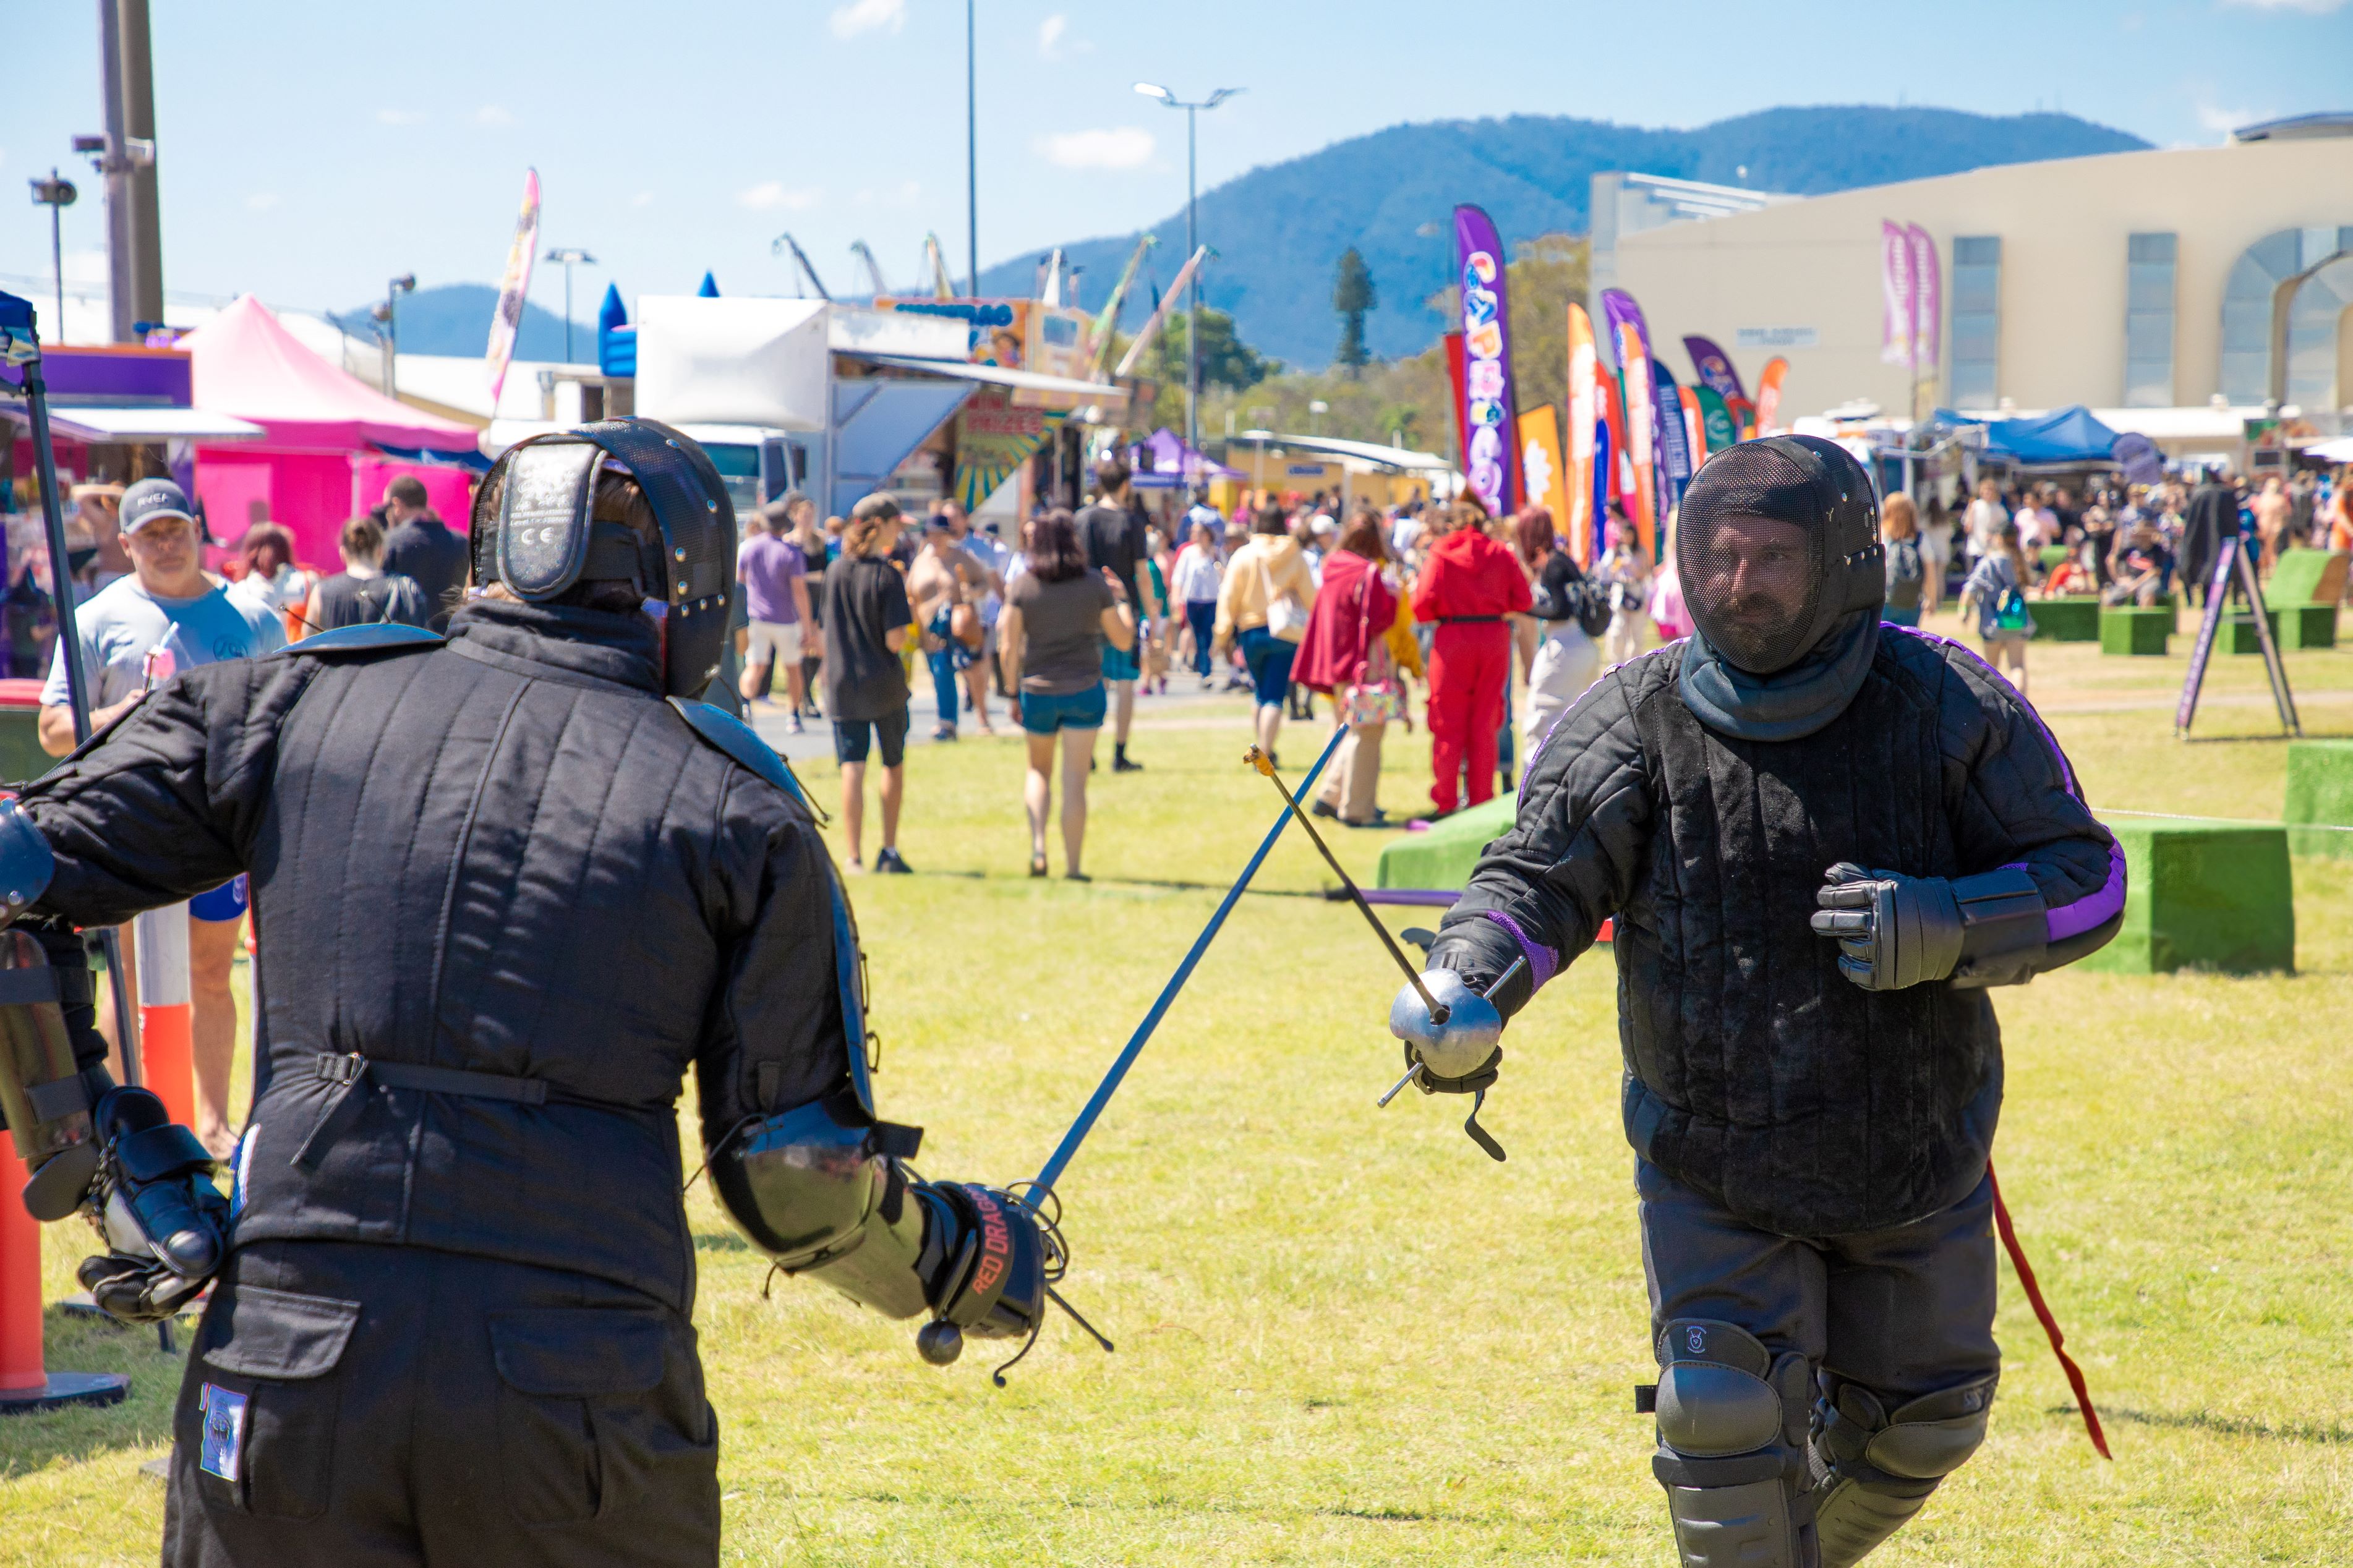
{"x":1822,"y":838}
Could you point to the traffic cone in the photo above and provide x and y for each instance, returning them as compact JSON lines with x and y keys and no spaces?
{"x":26,"y":1382}
{"x":166,"y":1037}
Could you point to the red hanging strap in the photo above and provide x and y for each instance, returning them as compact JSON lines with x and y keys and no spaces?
{"x":2042,"y":1313}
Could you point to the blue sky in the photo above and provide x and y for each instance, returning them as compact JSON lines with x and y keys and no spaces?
{"x":311,"y":147}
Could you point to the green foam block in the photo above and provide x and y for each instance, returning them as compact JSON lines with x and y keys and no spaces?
{"x":2202,"y":894}
{"x":2132,"y":630}
{"x":2068,"y":619}
{"x":2307,"y":577}
{"x":1443,"y":857}
{"x":2306,"y":626}
{"x":2241,"y":636}
{"x":2320,"y":797}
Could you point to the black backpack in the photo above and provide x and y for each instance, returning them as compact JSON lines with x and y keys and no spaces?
{"x":1904,"y":575}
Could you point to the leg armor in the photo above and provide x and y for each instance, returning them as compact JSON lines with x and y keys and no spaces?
{"x":1875,"y":1468}
{"x":1731,"y":1447}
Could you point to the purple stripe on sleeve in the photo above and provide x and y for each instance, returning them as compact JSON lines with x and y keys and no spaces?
{"x":2092,"y":908}
{"x":1543,"y":963}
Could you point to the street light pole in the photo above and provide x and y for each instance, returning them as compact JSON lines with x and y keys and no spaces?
{"x":567,"y":255}
{"x":971,"y":158}
{"x":56,"y":194}
{"x":388,"y":313}
{"x":1192,"y":247}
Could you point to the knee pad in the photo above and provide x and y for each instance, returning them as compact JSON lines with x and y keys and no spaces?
{"x":1730,"y":1421}
{"x":1875,"y":1468}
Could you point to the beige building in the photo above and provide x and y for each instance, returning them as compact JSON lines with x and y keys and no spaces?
{"x":2141,"y":284}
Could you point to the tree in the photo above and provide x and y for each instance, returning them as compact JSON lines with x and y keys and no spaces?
{"x":1353,"y":294}
{"x":1226,"y":362}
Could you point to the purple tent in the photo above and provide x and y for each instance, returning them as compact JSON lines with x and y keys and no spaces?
{"x":1162,"y":461}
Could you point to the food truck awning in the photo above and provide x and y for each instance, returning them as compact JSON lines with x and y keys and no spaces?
{"x":994,"y":376}
{"x":99,"y":422}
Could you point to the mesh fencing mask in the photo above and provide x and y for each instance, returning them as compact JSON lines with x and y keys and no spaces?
{"x":1776,"y":540}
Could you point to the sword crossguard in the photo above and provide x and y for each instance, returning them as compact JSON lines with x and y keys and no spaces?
{"x":1258,"y":759}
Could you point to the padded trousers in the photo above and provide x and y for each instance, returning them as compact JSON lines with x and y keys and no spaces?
{"x":1903,"y":1313}
{"x":370,"y":1406}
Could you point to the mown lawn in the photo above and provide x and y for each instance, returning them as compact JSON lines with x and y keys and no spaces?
{"x":1345,"y":1336}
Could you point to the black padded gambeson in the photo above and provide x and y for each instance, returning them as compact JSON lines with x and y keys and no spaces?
{"x":1755,"y":1073}
{"x":505,"y":855}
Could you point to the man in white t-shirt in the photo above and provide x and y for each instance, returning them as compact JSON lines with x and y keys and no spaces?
{"x":168,"y":603}
{"x":1984,"y":518}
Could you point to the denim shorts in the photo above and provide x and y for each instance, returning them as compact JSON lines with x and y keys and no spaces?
{"x":1269,"y":657}
{"x":1043,"y":712}
{"x":853,"y":737}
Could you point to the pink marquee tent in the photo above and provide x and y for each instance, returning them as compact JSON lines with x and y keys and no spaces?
{"x":323,"y":459}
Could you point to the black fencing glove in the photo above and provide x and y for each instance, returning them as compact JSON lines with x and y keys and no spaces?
{"x":166,"y":1225}
{"x":1896,"y":931}
{"x":1457,"y":1054}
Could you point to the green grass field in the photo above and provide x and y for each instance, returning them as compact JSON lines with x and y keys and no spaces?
{"x":1346,"y":1337}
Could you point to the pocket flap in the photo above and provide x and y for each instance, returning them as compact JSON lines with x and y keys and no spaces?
{"x":275,"y":1333}
{"x":577,"y":1351}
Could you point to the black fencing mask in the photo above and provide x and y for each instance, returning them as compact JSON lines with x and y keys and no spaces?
{"x":1777,"y":541}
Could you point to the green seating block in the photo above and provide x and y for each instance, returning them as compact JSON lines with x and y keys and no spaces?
{"x":21,"y":758}
{"x":2202,"y":894}
{"x":2052,"y":555}
{"x":2306,"y":626}
{"x":1443,"y":857}
{"x":2127,"y":629}
{"x":2241,"y":637}
{"x":2309,"y":577}
{"x":2320,"y":798}
{"x":2070,"y":619}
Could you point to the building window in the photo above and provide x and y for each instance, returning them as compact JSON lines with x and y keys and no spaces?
{"x":2148,"y":321}
{"x":1977,"y":320}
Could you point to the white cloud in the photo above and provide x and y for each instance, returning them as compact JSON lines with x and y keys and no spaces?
{"x":2223,"y":120}
{"x":398,"y":117}
{"x":1119,"y":147}
{"x":1049,"y":35}
{"x":772,"y":193}
{"x":2309,"y":7}
{"x":866,"y":16}
{"x":642,"y":199}
{"x":492,"y":114}
{"x":260,"y":201}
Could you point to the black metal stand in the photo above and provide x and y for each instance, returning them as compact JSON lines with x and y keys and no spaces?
{"x":2234,"y":565}
{"x":20,"y":351}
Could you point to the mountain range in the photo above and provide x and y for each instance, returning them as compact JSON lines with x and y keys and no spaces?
{"x":455,"y":318}
{"x":1278,"y":230}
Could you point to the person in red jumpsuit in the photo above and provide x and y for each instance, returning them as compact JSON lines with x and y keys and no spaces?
{"x":1469,"y":583}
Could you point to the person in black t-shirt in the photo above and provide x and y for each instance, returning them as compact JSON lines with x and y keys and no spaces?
{"x":1113,"y":534}
{"x":420,"y":545}
{"x":866,"y":619}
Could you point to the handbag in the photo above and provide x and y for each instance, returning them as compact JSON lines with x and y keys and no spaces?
{"x":1377,"y":697}
{"x":1284,"y":616}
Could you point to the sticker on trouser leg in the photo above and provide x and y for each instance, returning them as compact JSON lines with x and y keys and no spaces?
{"x":224,"y":1444}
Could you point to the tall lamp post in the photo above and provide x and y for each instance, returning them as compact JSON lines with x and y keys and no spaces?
{"x":971,"y":158}
{"x":568,"y":255}
{"x":388,"y":334}
{"x":1192,"y":244}
{"x":56,"y":194}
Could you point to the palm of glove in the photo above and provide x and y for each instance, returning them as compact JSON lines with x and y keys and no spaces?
{"x":1893,"y":931}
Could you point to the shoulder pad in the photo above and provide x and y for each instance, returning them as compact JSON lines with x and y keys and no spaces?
{"x":372,"y":638}
{"x":727,"y":734}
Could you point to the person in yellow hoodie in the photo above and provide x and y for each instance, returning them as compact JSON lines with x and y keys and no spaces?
{"x":1262,"y":608}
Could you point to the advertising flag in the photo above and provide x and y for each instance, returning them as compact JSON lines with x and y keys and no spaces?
{"x":1896,"y":298}
{"x":1583,"y":414}
{"x":1619,"y":309}
{"x":1744,"y":417}
{"x":1488,"y":419}
{"x":1641,"y":426}
{"x":1695,"y":430}
{"x":1542,"y":472}
{"x":1715,"y":422}
{"x":1453,"y":341}
{"x":1588,"y":548}
{"x":1768,"y":396}
{"x":1614,"y":465}
{"x":1715,"y":367}
{"x":514,"y":285}
{"x":1928,"y":299}
{"x":1675,"y":465}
